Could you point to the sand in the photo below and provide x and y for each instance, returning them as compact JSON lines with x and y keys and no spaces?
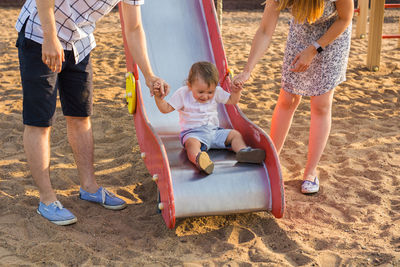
{"x":353,"y":221}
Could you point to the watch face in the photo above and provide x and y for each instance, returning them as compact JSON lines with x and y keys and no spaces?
{"x":319,"y":49}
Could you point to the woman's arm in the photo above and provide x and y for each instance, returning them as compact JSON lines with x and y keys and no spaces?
{"x":345,"y":9}
{"x":136,"y":40}
{"x":52,"y":50}
{"x":261,"y":41}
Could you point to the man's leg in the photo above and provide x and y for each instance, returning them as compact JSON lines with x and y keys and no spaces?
{"x":80,"y":137}
{"x":37,"y":150}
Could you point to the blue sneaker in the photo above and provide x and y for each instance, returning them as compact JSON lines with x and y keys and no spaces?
{"x":56,"y":213}
{"x":105,"y":198}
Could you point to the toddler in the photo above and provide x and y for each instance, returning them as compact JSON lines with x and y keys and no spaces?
{"x":197,"y":104}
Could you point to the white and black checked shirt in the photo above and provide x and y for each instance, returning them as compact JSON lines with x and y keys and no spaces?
{"x":75,"y":22}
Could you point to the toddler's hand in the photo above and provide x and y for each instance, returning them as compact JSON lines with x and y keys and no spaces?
{"x":157,"y":93}
{"x":239,"y":80}
{"x":236,"y":89}
{"x":156,"y":83}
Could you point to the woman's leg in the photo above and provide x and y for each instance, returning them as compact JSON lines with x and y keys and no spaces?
{"x":282,"y":118}
{"x":321,"y":116}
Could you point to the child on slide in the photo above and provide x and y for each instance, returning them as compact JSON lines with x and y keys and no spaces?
{"x":198,"y":117}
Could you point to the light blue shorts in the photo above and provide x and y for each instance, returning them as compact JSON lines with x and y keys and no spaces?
{"x":209,"y":136}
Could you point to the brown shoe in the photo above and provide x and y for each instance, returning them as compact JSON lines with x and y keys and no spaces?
{"x":250,"y":155}
{"x":204,"y":162}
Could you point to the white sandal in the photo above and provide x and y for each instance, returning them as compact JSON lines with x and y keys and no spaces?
{"x":309,"y":187}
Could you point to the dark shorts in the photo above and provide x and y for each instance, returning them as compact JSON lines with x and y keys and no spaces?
{"x":40,"y":84}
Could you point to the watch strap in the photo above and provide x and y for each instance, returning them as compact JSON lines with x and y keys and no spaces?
{"x":317,"y":47}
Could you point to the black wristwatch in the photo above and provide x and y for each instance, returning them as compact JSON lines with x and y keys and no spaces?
{"x":318,"y":47}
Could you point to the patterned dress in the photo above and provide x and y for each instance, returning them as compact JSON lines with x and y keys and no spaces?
{"x":328,"y":68}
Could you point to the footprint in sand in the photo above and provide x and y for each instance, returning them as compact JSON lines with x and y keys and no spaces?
{"x":395,"y":205}
{"x":240,"y":235}
{"x":329,"y":259}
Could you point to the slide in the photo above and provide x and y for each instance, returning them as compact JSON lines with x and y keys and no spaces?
{"x":180,"y":33}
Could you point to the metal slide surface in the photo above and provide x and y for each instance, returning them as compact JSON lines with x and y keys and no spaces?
{"x":177,"y":36}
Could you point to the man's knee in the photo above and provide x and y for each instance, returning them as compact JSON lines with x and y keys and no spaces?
{"x":30,"y":129}
{"x":78,"y":122}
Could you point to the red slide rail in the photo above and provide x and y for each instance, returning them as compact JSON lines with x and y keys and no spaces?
{"x":252,"y":134}
{"x":392,"y":5}
{"x":151,"y":146}
{"x":391,"y":36}
{"x":357,"y":10}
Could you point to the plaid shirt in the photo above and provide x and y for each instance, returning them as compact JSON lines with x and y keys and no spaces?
{"x":75,"y":22}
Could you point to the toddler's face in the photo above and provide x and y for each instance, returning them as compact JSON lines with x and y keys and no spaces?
{"x":201,"y":91}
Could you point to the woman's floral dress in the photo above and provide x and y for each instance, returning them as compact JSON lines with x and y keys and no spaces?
{"x":328,"y":68}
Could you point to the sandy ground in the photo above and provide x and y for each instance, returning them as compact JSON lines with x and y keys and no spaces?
{"x":353,"y":221}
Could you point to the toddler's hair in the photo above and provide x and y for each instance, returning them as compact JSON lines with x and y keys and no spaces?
{"x":205,"y":71}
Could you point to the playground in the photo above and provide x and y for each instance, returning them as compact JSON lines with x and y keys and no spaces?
{"x":353,"y":220}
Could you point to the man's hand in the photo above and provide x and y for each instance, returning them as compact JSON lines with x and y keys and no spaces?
{"x":52,"y":53}
{"x":157,"y":84}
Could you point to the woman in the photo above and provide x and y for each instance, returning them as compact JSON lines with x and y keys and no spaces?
{"x":315,"y":62}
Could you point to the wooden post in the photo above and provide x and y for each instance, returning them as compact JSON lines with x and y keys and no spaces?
{"x":398,"y":44}
{"x":219,"y":13}
{"x":375,"y":34}
{"x":362,"y":19}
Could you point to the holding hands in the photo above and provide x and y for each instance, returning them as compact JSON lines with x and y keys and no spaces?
{"x":239,"y":80}
{"x":158,"y":86}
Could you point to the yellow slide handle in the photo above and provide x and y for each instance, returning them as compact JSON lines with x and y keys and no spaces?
{"x":130,"y":92}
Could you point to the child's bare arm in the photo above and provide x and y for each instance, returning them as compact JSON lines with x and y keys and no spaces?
{"x":235,"y":95}
{"x":162,"y":105}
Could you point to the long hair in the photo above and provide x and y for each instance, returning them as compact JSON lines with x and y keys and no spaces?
{"x":304,"y":10}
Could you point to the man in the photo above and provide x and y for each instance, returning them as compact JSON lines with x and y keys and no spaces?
{"x":54,"y":44}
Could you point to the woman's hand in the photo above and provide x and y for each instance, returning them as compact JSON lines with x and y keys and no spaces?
{"x":239,"y":80}
{"x":303,"y":60}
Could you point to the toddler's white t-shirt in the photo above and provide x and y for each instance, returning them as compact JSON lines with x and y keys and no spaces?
{"x":193,"y":114}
